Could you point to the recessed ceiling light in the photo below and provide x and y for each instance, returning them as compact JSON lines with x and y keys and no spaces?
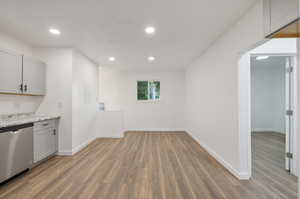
{"x":54,"y":31}
{"x":150,"y":30}
{"x":111,"y":59}
{"x":151,"y":58}
{"x":262,"y":57}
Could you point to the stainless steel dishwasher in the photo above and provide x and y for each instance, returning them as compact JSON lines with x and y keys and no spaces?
{"x":16,"y":150}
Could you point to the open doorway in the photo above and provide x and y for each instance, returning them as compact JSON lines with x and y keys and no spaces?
{"x":272,"y":110}
{"x":267,"y":115}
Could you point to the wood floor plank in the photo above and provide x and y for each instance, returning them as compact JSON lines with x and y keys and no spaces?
{"x":154,"y":165}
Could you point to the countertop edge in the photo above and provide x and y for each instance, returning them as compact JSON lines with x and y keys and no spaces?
{"x":29,"y":120}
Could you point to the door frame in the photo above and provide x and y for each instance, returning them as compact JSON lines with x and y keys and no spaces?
{"x":244,"y":81}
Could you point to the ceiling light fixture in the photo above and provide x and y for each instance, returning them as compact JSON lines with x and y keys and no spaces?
{"x":150,"y":30}
{"x":262,"y":57}
{"x":112,"y":59}
{"x":151,"y":58}
{"x":54,"y":31}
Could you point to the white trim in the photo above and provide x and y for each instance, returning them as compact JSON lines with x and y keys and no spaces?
{"x":245,"y":117}
{"x":157,"y":129}
{"x":76,"y":149}
{"x":81,"y":146}
{"x":244,"y":176}
{"x":244,"y":113}
{"x":64,"y":153}
{"x":110,"y":137}
{"x":295,"y":116}
{"x":238,"y":175}
{"x":266,"y":130}
{"x":274,"y":54}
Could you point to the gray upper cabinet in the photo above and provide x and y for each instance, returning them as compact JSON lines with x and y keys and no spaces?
{"x":10,"y":72}
{"x":34,"y":76}
{"x":21,"y":74}
{"x":279,"y":13}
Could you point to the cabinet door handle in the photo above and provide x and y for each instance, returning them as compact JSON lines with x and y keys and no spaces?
{"x":25,"y":87}
{"x":46,"y":124}
{"x":54,"y":132}
{"x":21,"y":87}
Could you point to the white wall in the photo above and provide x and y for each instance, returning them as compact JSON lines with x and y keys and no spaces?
{"x":12,"y":44}
{"x":118,"y":89}
{"x":10,"y":104}
{"x":165,"y":114}
{"x":212,"y":90}
{"x":275,"y":46}
{"x":110,"y":88}
{"x":84,"y":100}
{"x":268,"y":94}
{"x":72,"y":92}
{"x":109,"y":124}
{"x":58,"y":99}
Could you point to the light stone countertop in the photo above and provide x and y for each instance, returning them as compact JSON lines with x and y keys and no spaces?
{"x":18,"y":119}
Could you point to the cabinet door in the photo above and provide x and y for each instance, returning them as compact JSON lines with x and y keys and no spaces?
{"x":44,"y":144}
{"x":34,"y":76}
{"x":10,"y":72}
{"x":282,"y":12}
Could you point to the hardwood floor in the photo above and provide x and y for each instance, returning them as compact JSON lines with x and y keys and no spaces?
{"x":142,"y":165}
{"x":268,"y":159}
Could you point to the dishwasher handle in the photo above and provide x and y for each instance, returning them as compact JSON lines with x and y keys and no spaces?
{"x":15,"y":132}
{"x":15,"y":129}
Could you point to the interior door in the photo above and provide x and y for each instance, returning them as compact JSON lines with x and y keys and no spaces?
{"x":34,"y":76}
{"x":289,"y":164}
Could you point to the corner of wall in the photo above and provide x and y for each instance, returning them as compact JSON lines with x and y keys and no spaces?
{"x":239,"y":175}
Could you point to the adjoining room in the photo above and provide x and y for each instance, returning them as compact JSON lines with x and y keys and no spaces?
{"x":269,"y":127}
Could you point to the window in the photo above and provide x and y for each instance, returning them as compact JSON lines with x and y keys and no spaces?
{"x":148,"y":90}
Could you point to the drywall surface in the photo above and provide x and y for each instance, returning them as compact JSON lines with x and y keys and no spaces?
{"x":110,"y":88}
{"x":212,"y":90}
{"x":268,"y":94}
{"x":275,"y":46}
{"x":84,"y":100}
{"x":11,"y":104}
{"x":14,"y":45}
{"x":164,"y":114}
{"x":109,"y":124}
{"x":118,"y":90}
{"x":58,"y":99}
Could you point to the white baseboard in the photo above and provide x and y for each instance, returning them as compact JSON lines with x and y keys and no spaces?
{"x":244,"y":176}
{"x":156,"y":129}
{"x":266,"y":130}
{"x":76,"y":149}
{"x":81,"y":146}
{"x":110,"y":137}
{"x":238,"y":175}
{"x":64,"y":153}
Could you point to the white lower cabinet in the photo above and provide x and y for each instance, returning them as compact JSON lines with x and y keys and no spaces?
{"x":45,"y":140}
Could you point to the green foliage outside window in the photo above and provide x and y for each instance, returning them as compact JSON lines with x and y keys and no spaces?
{"x":148,"y":90}
{"x":142,"y":87}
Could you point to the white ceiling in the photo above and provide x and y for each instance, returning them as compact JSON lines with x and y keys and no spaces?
{"x":103,"y":28}
{"x":272,"y":61}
